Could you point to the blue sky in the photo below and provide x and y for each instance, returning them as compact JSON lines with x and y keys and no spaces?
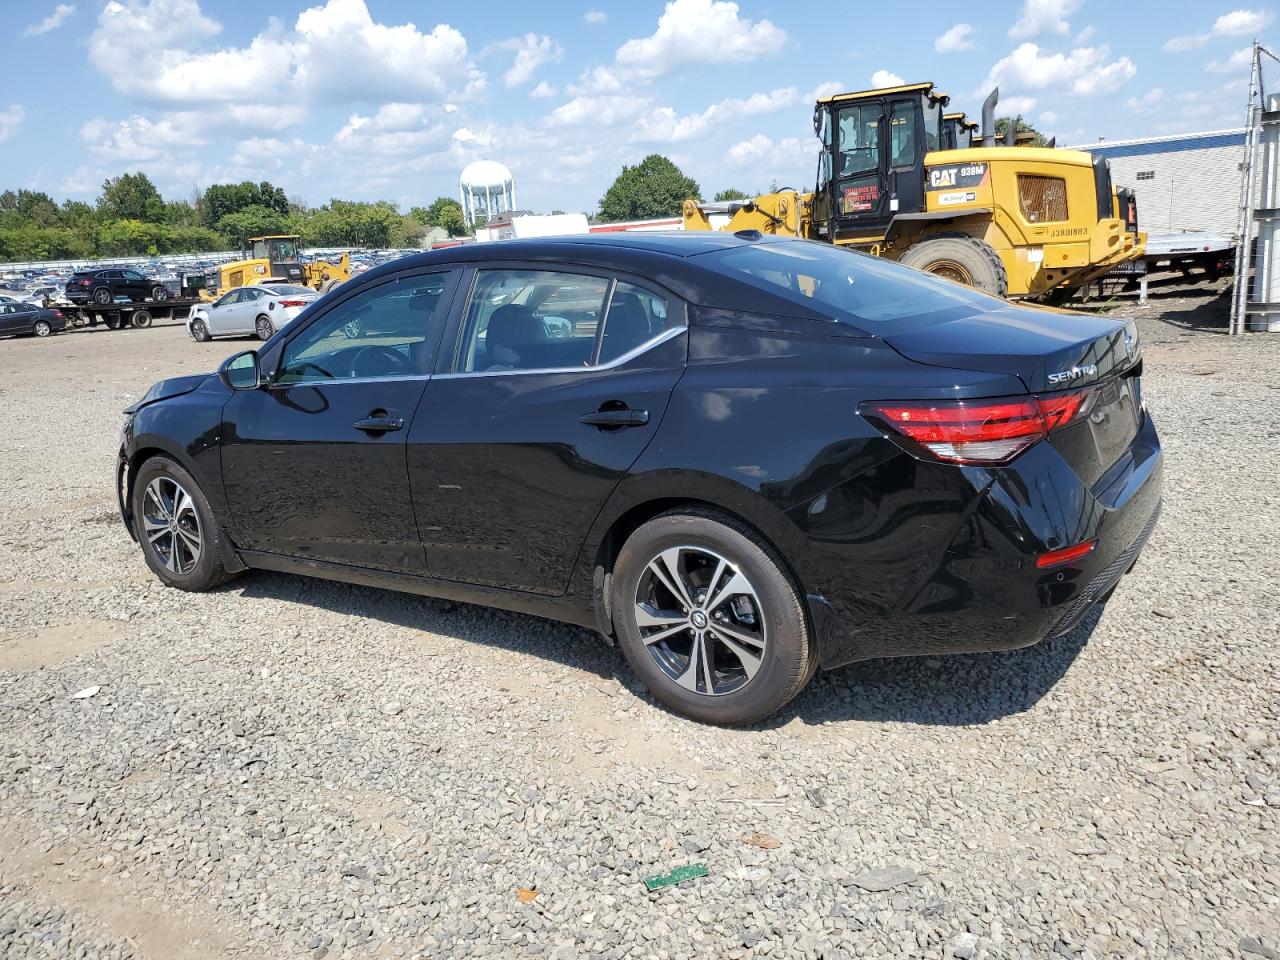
{"x":389,"y":99}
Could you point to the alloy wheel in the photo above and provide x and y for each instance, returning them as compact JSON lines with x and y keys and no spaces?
{"x":171,"y":525}
{"x":701,"y":620}
{"x":42,"y":328}
{"x":264,"y":329}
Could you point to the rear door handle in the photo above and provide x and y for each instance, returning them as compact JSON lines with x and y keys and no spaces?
{"x":379,"y":424}
{"x":626,"y":417}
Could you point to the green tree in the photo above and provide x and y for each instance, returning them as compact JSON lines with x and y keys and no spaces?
{"x":730,"y":193}
{"x":1037,"y":140}
{"x":251,"y":221}
{"x":131,"y":196}
{"x":409,"y":233}
{"x":179,"y":213}
{"x":654,"y":187}
{"x":444,"y":212}
{"x":222,"y":199}
{"x":29,"y":208}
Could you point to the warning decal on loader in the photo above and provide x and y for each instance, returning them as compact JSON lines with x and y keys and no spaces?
{"x":858,"y":199}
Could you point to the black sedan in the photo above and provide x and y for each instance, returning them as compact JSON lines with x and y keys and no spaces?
{"x":28,"y":319}
{"x":739,"y":458}
{"x":103,"y":286}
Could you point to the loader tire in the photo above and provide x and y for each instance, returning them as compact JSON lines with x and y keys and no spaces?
{"x":962,"y":259}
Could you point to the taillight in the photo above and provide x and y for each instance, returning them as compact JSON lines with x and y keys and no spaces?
{"x":292,"y":303}
{"x":978,"y":432}
{"x":57,"y":314}
{"x":84,"y":282}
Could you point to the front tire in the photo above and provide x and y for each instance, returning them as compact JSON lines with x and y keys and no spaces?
{"x":962,"y":259}
{"x":180,"y":538}
{"x":709,"y":618}
{"x":199,"y":332}
{"x":41,"y":328}
{"x":264,"y":328}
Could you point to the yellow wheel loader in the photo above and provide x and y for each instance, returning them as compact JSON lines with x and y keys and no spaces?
{"x":276,"y":258}
{"x":896,"y":179}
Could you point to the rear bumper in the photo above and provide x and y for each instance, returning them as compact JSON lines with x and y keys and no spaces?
{"x":967,"y":582}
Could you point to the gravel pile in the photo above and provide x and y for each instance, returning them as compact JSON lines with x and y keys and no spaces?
{"x":292,"y":768}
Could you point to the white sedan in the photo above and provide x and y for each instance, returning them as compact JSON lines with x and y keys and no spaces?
{"x":260,"y":310}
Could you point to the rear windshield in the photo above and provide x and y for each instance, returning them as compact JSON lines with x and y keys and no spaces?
{"x":877,"y":295}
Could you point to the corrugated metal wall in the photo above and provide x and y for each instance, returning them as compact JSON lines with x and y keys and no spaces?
{"x":1194,"y":189}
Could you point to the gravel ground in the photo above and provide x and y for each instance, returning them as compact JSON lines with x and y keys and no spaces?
{"x":296,"y":768}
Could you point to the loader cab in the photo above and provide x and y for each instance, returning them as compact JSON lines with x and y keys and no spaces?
{"x":872,"y":163}
{"x":957,"y":131}
{"x":281,"y":254}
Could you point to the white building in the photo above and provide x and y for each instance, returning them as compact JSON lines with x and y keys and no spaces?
{"x":1186,"y":182}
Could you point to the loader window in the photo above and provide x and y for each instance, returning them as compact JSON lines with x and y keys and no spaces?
{"x":902,"y":134}
{"x":284,"y":251}
{"x":1043,"y":199}
{"x":859,"y":139}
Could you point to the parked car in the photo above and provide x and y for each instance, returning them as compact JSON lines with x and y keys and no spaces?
{"x":752,"y":457}
{"x":22,"y":319}
{"x":104,"y":286}
{"x":248,"y":310}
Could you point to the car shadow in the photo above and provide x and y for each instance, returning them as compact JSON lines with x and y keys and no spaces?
{"x":955,"y":690}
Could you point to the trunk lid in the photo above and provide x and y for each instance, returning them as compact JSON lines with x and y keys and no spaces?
{"x":1050,"y":351}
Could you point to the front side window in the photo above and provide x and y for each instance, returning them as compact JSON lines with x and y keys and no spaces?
{"x":131,"y":275}
{"x":859,"y":139}
{"x":379,"y":332}
{"x":531,"y":320}
{"x":229,"y":299}
{"x":284,"y":251}
{"x":933,"y":126}
{"x":902,"y":134}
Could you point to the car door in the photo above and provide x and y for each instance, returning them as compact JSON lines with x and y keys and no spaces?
{"x":314,"y":461}
{"x":521,"y":439}
{"x":221,"y":320}
{"x":12,"y":319}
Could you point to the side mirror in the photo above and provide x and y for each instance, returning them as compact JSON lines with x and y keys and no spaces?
{"x":241,"y":372}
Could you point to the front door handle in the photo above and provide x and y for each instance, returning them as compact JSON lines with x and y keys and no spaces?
{"x":379,"y":423}
{"x":616,"y":418}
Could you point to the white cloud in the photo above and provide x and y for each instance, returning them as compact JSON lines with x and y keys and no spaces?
{"x":52,"y":22}
{"x":957,"y":38}
{"x":603,"y":111}
{"x":11,"y":120}
{"x":397,"y":129}
{"x":828,"y":89}
{"x":542,"y":91}
{"x":137,"y":138}
{"x":594,"y":17}
{"x":885,"y":78}
{"x":1236,"y":23}
{"x":335,"y":53}
{"x":533,"y":51}
{"x":699,"y":32}
{"x":1043,"y":16}
{"x":1085,"y":71}
{"x":1240,"y":61}
{"x":782,"y":156}
{"x":1017,"y":106}
{"x":664,"y":125}
{"x":1048,"y":117}
{"x":1085,"y":35}
{"x":1145,"y":103}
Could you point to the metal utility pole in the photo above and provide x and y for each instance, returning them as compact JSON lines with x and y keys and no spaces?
{"x":1262,"y":124}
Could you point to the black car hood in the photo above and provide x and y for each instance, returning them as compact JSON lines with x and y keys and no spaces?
{"x":164,"y":389}
{"x":1047,"y":349}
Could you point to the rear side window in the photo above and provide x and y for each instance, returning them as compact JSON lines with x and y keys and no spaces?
{"x":636,"y":316}
{"x":531,"y":320}
{"x":881,"y":296}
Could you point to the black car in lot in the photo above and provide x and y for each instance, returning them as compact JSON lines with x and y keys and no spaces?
{"x":19,"y":319}
{"x":103,"y":286}
{"x":738,"y":457}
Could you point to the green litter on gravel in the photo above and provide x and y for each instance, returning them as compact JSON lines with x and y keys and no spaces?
{"x":678,"y":875}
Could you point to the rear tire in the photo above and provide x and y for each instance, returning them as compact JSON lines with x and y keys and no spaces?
{"x":141,"y":318}
{"x":174,"y":524}
{"x":962,"y":259}
{"x":264,"y":329}
{"x":41,"y":328}
{"x":102,"y":295}
{"x":159,"y":293}
{"x":748,"y":616}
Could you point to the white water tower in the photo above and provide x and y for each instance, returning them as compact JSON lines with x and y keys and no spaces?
{"x":486,"y":187}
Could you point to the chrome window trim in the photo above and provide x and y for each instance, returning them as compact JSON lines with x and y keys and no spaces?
{"x":645,"y":347}
{"x":334,"y":381}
